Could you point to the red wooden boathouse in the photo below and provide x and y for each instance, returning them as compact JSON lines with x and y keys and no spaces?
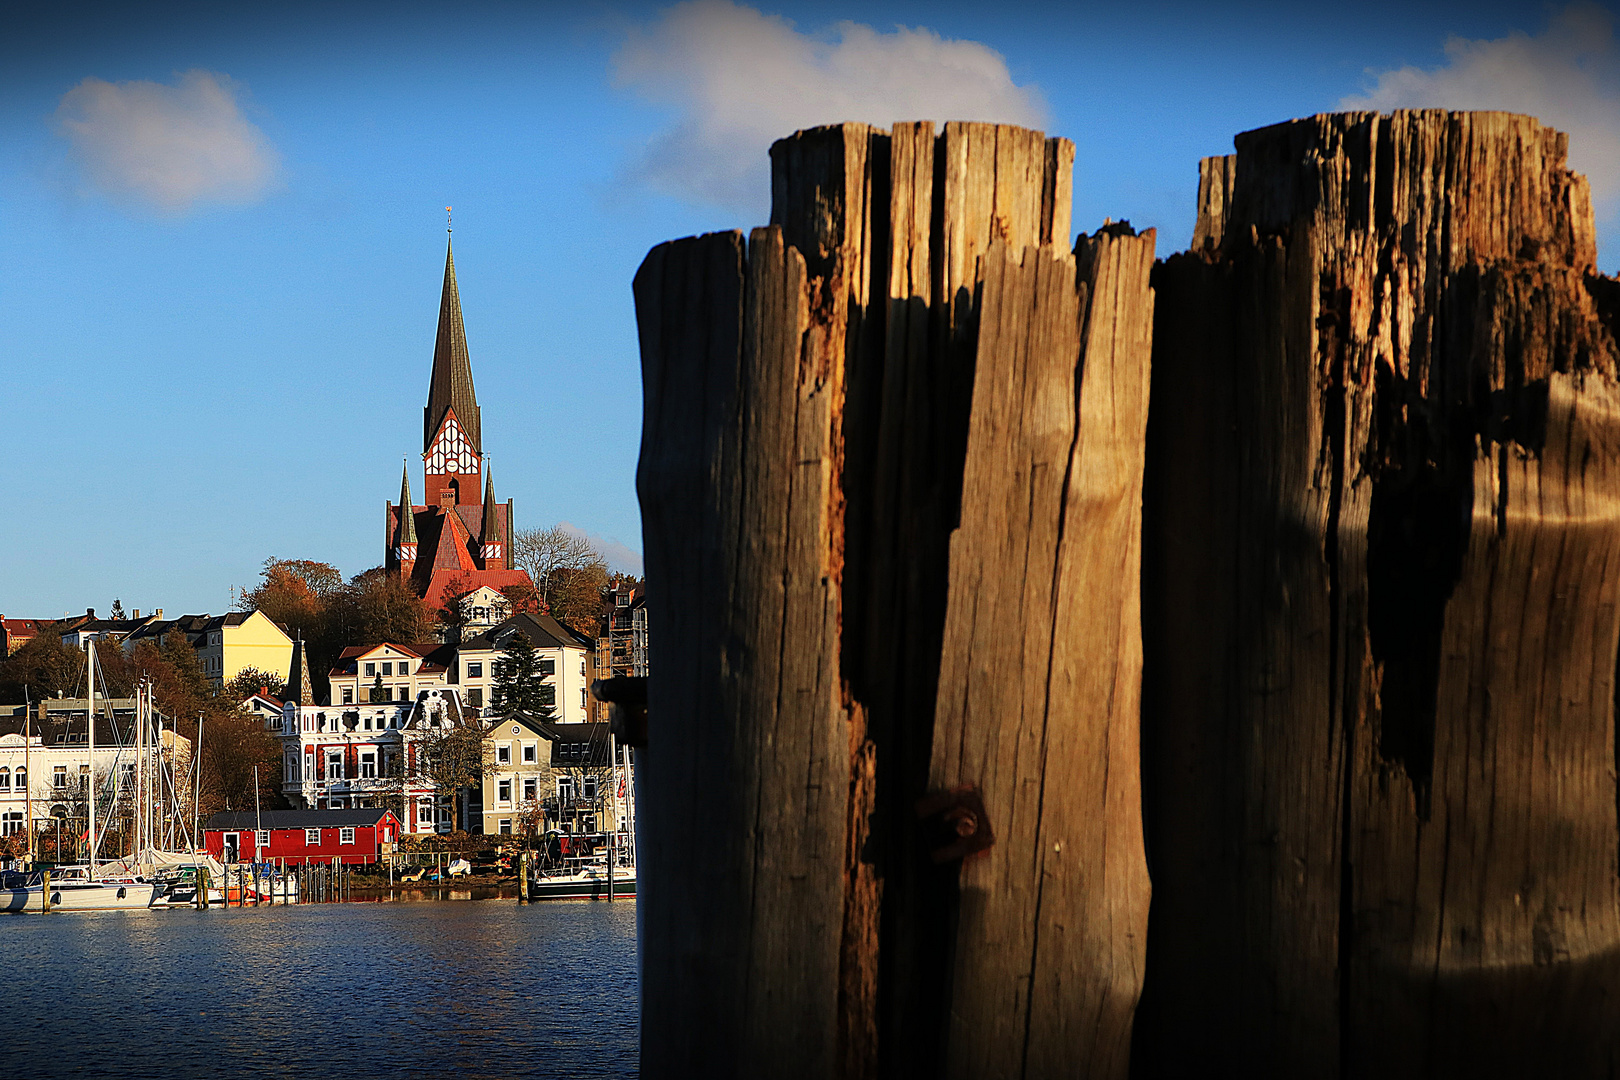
{"x":302,"y":836}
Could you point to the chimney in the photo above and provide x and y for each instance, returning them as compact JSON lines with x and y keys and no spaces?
{"x":137,"y":614}
{"x":158,"y":613}
{"x":89,"y":612}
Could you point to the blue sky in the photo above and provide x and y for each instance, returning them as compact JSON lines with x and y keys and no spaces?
{"x":207,"y":369}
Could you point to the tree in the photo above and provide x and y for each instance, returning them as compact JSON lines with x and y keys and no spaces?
{"x":233,"y":745}
{"x":42,"y":668}
{"x":250,"y":680}
{"x":117,"y":609}
{"x":520,"y":685}
{"x":567,"y":570}
{"x":294,"y":593}
{"x":452,"y":757}
{"x":377,"y":606}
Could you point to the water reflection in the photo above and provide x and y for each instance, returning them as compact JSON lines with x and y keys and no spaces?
{"x":409,"y":989}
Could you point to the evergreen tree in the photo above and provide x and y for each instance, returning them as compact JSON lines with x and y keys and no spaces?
{"x":519,"y":682}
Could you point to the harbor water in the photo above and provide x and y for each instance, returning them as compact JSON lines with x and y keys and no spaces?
{"x":469,"y":988}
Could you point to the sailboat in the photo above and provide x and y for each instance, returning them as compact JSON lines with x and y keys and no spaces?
{"x":81,"y":887}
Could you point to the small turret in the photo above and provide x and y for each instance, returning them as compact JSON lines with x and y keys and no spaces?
{"x":491,"y":534}
{"x":298,"y":689}
{"x":405,"y":531}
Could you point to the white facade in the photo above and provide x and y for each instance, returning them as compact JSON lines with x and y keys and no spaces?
{"x":51,"y":773}
{"x":338,"y":757}
{"x":400,"y":670}
{"x":565,"y":665}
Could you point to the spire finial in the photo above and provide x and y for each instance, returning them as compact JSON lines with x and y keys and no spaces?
{"x":447,"y":219}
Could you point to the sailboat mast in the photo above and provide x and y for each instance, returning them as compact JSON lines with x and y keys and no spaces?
{"x":138,"y":816}
{"x":90,"y":740}
{"x":28,"y":773}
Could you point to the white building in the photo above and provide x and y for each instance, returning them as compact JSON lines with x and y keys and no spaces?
{"x":337,"y":757}
{"x":562,"y":652}
{"x":46,"y":756}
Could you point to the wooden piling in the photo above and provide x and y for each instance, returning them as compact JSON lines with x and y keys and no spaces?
{"x":1382,"y":612}
{"x":903,"y":423}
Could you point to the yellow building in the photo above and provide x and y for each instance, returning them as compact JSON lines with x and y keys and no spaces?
{"x":234,"y":642}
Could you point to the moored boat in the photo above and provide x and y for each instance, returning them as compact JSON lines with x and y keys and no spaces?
{"x":73,"y":889}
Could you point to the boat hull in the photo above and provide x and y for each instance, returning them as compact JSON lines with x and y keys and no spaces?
{"x":581,"y":887}
{"x":80,"y":896}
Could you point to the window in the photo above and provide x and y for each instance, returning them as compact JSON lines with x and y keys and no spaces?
{"x":22,"y":779}
{"x":582,"y":699}
{"x":506,"y":826}
{"x":388,"y":834}
{"x":368,"y":765}
{"x":402,"y":693}
{"x":12,"y":823}
{"x":371,"y":669}
{"x":346,"y":835}
{"x":548,"y":665}
{"x":59,"y":776}
{"x":548,"y":694}
{"x":127,"y":777}
{"x":404,"y":667}
{"x":262,"y":838}
{"x":5,"y":779}
{"x":582,"y":667}
{"x":565,"y":788}
{"x":475,"y":697}
{"x":388,"y":669}
{"x":424,"y":812}
{"x":529,"y":754}
{"x":590,"y":787}
{"x":334,"y":765}
{"x":312,"y":838}
{"x":503,"y":791}
{"x":503,"y":754}
{"x":368,"y":723}
{"x":531,"y":789}
{"x":348,"y":695}
{"x":475,"y":671}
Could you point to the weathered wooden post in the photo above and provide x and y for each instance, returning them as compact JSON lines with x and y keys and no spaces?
{"x":1382,"y":591}
{"x":890,"y":484}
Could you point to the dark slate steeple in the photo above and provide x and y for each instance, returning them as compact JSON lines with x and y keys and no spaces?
{"x":406,"y":532}
{"x":492,"y":547}
{"x":298,"y":690}
{"x":452,"y":384}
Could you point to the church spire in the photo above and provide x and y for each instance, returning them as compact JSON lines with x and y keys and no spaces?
{"x":451,"y":386}
{"x":406,"y":533}
{"x":490,"y":533}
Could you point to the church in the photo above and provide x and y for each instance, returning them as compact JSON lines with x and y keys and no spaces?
{"x":457,"y":542}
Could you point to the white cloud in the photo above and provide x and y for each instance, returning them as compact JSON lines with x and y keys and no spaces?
{"x":1567,"y":76}
{"x":738,"y":80}
{"x":170,"y":147}
{"x":619,"y":557}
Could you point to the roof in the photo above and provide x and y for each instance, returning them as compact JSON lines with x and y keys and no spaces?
{"x":543,"y":632}
{"x":451,"y":386}
{"x":296,"y":819}
{"x":63,"y":728}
